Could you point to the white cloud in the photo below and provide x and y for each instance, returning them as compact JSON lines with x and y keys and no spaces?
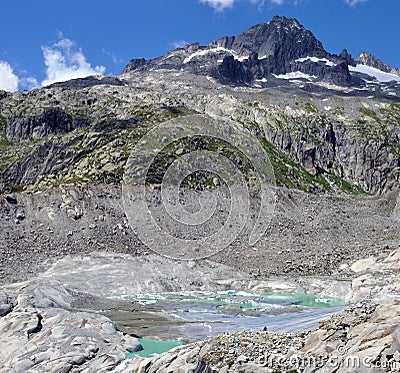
{"x":8,"y":80}
{"x":29,"y":83}
{"x":179,"y":44}
{"x":219,"y":5}
{"x":281,"y":2}
{"x":354,"y":2}
{"x":113,"y":56}
{"x":64,"y":61}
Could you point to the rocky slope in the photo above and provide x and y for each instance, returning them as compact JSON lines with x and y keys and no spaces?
{"x":316,"y":140}
{"x":309,"y":234}
{"x":319,"y":134}
{"x":65,"y":147}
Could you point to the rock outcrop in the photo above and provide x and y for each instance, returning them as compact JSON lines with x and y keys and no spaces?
{"x":41,"y":332}
{"x":53,"y":121}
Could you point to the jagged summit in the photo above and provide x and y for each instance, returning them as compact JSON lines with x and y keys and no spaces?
{"x":283,"y":38}
{"x":366,"y":58}
{"x":278,"y":52}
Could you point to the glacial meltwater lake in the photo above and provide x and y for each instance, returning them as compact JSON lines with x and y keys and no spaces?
{"x":196,"y":316}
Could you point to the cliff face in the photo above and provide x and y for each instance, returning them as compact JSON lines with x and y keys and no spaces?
{"x":279,"y":42}
{"x":321,"y":140}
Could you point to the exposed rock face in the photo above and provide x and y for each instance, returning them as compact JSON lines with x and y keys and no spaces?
{"x":340,"y":74}
{"x":41,"y":161}
{"x":90,"y":81}
{"x":369,"y":59}
{"x":53,"y":121}
{"x":42,"y":333}
{"x":280,"y":41}
{"x":344,"y":54}
{"x":231,"y":70}
{"x":340,"y":152}
{"x":344,"y":139}
{"x":136,"y":64}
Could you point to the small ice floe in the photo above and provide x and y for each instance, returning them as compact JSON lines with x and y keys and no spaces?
{"x":245,"y":294}
{"x":227,"y":292}
{"x":322,"y":300}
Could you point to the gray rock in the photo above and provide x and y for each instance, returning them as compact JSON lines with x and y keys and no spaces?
{"x":4,"y":309}
{"x":49,"y":121}
{"x":41,"y":333}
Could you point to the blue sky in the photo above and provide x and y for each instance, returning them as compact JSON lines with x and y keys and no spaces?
{"x":47,"y":40}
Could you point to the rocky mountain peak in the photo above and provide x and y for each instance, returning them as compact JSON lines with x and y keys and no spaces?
{"x":284,"y":38}
{"x":367,"y":58}
{"x":286,"y":21}
{"x":278,"y":52}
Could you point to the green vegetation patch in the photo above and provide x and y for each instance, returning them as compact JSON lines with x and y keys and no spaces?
{"x":310,"y":108}
{"x":370,"y":114}
{"x":392,"y":114}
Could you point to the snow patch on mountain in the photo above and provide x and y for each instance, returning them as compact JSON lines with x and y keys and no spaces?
{"x":295,"y":75}
{"x":204,"y":52}
{"x":379,"y":75}
{"x":316,"y":59}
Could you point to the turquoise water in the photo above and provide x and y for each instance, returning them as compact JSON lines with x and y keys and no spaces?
{"x":153,"y":346}
{"x":198,"y":316}
{"x":305,"y":300}
{"x":244,"y":301}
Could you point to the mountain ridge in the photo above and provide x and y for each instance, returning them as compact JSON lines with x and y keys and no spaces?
{"x":263,"y":52}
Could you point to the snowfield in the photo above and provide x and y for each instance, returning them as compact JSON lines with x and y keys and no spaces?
{"x":295,"y":75}
{"x":316,"y":59}
{"x":379,"y":75}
